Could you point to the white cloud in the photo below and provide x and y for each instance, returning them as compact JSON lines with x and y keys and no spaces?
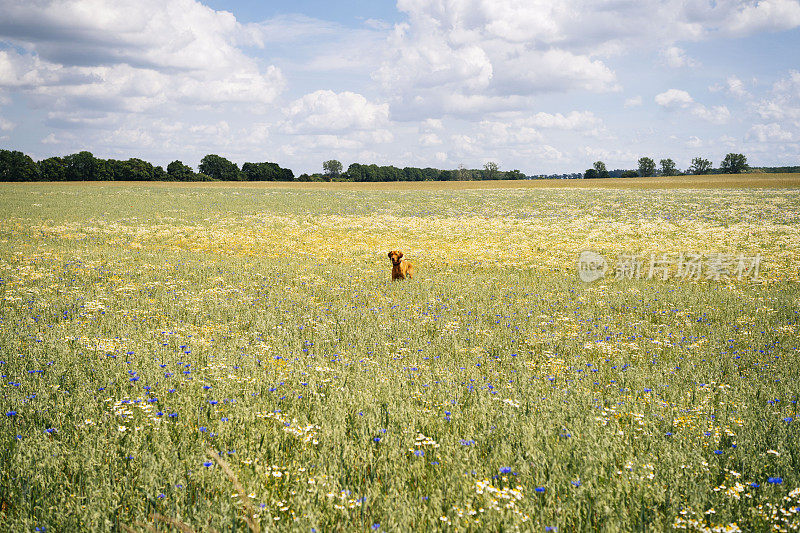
{"x":494,"y":54}
{"x":634,"y":101}
{"x":783,"y":104}
{"x":429,"y":139}
{"x":574,"y":121}
{"x":50,"y":139}
{"x":694,"y":142}
{"x":431,"y":124}
{"x":676,"y":58}
{"x":493,"y":133}
{"x":718,"y":114}
{"x":764,"y":15}
{"x":674,"y":98}
{"x":327,"y":111}
{"x":6,"y":125}
{"x":131,"y":56}
{"x":736,"y":87}
{"x":768,"y":133}
{"x":498,"y":49}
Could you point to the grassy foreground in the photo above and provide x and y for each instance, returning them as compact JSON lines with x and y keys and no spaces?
{"x":221,"y":357}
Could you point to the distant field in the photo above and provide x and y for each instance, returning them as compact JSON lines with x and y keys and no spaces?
{"x":234,"y":356}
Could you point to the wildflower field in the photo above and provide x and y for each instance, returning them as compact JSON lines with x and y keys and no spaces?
{"x":236,"y":358}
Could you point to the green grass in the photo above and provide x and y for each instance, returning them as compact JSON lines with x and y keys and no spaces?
{"x":265,"y":321}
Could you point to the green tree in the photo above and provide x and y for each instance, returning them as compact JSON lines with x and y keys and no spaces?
{"x":700,"y":166}
{"x":734,"y":164}
{"x":601,"y":170}
{"x":432,"y":174}
{"x":266,"y":172}
{"x":83,"y":166}
{"x":590,"y":173}
{"x":412,"y":174}
{"x":668,"y":167}
{"x":490,"y":170}
{"x":16,"y":166}
{"x":219,"y":168}
{"x":356,"y":172}
{"x":629,"y":174}
{"x":177,"y":171}
{"x":332,"y":168}
{"x":51,"y":169}
{"x":647,"y":167}
{"x":134,"y":169}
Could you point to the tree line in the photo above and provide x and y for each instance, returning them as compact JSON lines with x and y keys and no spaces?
{"x":83,"y":166}
{"x":358,"y":172}
{"x":732,"y":164}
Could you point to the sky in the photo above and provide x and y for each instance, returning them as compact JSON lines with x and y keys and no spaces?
{"x":540,"y":86}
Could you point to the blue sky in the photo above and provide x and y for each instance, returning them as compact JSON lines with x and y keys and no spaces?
{"x":533,"y":85}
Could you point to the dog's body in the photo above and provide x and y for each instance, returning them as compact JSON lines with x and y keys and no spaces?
{"x":401,"y":269}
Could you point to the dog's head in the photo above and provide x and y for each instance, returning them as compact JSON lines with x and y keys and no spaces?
{"x":396,"y":256}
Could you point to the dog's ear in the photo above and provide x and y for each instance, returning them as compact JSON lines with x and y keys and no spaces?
{"x":400,"y":255}
{"x":390,"y":255}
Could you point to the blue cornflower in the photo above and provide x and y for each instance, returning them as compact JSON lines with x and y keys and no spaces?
{"x":754,"y":485}
{"x":207,"y":464}
{"x":539,"y":489}
{"x":718,"y":452}
{"x":203,"y":429}
{"x":576,"y":483}
{"x":375,"y":526}
{"x":775,"y":480}
{"x":465,"y":442}
{"x":505,"y":469}
{"x":162,"y":495}
{"x":11,"y":413}
{"x":377,"y":439}
{"x":419,"y":453}
{"x":173,"y":415}
{"x":224,"y":418}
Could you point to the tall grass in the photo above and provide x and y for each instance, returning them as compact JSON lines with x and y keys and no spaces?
{"x":143,"y":326}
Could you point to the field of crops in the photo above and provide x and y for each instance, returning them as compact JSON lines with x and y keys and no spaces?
{"x":226,"y":358}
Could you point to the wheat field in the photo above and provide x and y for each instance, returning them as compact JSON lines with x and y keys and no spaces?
{"x":222,"y":357}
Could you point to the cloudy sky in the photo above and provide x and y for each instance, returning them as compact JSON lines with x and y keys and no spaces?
{"x":539,"y":86}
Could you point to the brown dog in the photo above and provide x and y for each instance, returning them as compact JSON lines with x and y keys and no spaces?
{"x":401,"y":269}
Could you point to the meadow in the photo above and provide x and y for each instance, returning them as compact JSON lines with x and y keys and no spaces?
{"x":220,"y":357}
